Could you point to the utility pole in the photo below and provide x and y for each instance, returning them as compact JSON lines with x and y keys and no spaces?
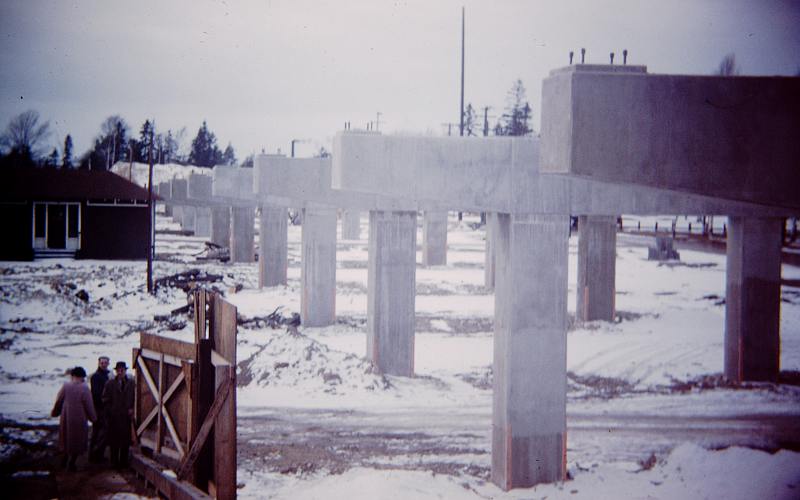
{"x":378,"y":121}
{"x":151,"y":234}
{"x":486,"y":121}
{"x":462,"y":73}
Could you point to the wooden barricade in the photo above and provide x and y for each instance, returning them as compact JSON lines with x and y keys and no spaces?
{"x":185,"y":412}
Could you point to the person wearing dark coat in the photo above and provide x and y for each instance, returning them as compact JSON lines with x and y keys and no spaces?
{"x":118,"y":399}
{"x":74,"y":406}
{"x":97,"y":446}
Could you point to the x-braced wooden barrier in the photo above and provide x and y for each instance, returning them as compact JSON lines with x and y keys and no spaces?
{"x":185,"y":409}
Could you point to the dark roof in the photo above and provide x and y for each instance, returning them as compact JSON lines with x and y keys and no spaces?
{"x":43,"y":183}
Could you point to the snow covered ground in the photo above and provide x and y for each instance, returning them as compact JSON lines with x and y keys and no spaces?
{"x":648,"y":413}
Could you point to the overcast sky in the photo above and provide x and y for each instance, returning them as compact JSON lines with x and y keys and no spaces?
{"x":263,"y":73}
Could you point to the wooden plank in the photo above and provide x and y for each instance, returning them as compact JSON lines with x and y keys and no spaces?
{"x":172,"y":347}
{"x":137,"y":401}
{"x":224,"y":332}
{"x":204,"y":465}
{"x":199,"y":315}
{"x":156,"y":356}
{"x":159,"y":431}
{"x":170,"y":487}
{"x":174,"y":387}
{"x":149,"y":379}
{"x":225,"y":390}
{"x":172,"y":432}
{"x":217,"y":359}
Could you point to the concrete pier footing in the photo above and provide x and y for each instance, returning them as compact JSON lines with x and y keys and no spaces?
{"x":391,"y":291}
{"x":318,"y":267}
{"x":221,"y":226}
{"x":351,"y":225}
{"x":597,"y":255}
{"x":273,"y":244}
{"x":434,"y":238}
{"x":489,"y":264}
{"x":753,"y":298}
{"x":242,"y":234}
{"x":530,"y":350}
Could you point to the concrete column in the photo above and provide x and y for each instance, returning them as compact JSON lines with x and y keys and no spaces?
{"x":434,"y":239}
{"x":189,"y":219}
{"x":168,"y":209}
{"x":177,"y":214}
{"x":597,"y":255}
{"x":391,"y":291}
{"x":242,"y":236}
{"x":273,"y":242}
{"x":351,"y":225}
{"x":318,"y":267}
{"x":489,"y":266}
{"x":203,"y":222}
{"x":221,"y":226}
{"x":753,"y":299}
{"x":529,"y":422}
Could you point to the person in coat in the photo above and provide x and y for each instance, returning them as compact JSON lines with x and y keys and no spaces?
{"x":97,"y":446}
{"x":118,"y":399}
{"x":74,"y":406}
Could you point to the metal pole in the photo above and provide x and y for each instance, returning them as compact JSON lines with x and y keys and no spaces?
{"x":150,"y":236}
{"x":462,"y":73}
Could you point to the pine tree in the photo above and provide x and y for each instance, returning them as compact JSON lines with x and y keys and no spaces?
{"x":228,"y":156}
{"x":52,"y":160}
{"x":66,"y":161}
{"x":515,"y":121}
{"x":469,"y":120}
{"x":143,"y":144}
{"x":204,"y":152}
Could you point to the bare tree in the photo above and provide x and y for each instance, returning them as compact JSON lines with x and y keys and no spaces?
{"x":25,"y":136}
{"x":728,"y":66}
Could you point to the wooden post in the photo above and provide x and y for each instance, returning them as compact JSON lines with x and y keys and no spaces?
{"x":223,"y":336}
{"x":151,"y":212}
{"x":160,"y":402}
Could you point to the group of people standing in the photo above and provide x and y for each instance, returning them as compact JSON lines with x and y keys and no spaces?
{"x":108,"y":405}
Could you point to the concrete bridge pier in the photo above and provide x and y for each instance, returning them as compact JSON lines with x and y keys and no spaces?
{"x":351,"y":225}
{"x":189,"y":219}
{"x":529,"y":424}
{"x":489,"y":265}
{"x":221,"y":226}
{"x":273,"y":244}
{"x":597,"y":255}
{"x":434,"y":238}
{"x":203,"y":222}
{"x":177,"y":214}
{"x":318,"y":267}
{"x":753,"y":298}
{"x":241,"y":247}
{"x":391,"y":291}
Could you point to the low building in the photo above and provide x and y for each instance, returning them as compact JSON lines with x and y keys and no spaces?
{"x":86,"y":214}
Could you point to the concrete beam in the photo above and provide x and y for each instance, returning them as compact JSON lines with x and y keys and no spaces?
{"x":199,"y":187}
{"x":622,"y":125}
{"x":434,"y":238}
{"x":318,"y":267}
{"x":233,"y":183}
{"x":501,"y":174}
{"x":351,"y":225}
{"x":391,"y":290}
{"x":597,"y":256}
{"x":242,"y":234}
{"x":529,"y":421}
{"x":273,"y":242}
{"x":178,"y":190}
{"x":221,"y":226}
{"x":753,"y":299}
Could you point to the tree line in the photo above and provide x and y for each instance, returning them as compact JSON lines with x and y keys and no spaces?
{"x":25,"y":143}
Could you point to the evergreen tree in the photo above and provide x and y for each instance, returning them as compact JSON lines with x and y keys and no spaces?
{"x":66,"y":161}
{"x":228,"y":156}
{"x":52,"y":160}
{"x":515,"y":121}
{"x":143,"y":144}
{"x":728,"y":67}
{"x":204,"y":152}
{"x":469,"y":120}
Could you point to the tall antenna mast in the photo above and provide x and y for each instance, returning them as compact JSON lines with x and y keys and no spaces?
{"x":461,"y":121}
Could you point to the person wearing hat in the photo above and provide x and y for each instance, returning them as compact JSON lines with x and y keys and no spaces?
{"x":74,"y":406}
{"x":118,"y":398}
{"x":97,"y":382}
